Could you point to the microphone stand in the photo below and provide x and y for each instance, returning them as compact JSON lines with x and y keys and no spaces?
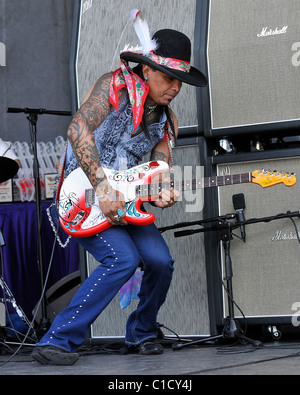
{"x":44,"y":324}
{"x":231,"y":329}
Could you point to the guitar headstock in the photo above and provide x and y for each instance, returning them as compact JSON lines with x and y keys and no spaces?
{"x":269,"y":178}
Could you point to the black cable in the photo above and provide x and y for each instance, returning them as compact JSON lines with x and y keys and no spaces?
{"x":295,"y":226}
{"x":170,"y":330}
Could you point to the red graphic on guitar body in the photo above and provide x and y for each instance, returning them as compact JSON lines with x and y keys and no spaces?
{"x":78,"y":206}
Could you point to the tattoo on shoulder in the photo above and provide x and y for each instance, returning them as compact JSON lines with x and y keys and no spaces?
{"x":157,"y":155}
{"x":91,"y":114}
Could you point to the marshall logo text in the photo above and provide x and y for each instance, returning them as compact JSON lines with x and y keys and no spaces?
{"x":272,"y":32}
{"x":284,"y":236}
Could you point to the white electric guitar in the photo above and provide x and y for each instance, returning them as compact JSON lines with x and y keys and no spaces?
{"x":78,"y":207}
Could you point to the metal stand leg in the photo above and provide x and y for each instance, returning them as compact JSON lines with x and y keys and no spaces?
{"x":231,"y":328}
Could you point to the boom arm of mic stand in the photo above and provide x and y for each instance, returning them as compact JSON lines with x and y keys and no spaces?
{"x":217,"y":227}
{"x":199,"y":222}
{"x":37,"y":111}
{"x":221,"y":219}
{"x":288,"y":214}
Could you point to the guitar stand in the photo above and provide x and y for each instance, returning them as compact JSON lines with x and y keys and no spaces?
{"x":8,"y":297}
{"x":231,"y":329}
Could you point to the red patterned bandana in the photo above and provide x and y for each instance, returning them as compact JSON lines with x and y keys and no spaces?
{"x":137,"y":90}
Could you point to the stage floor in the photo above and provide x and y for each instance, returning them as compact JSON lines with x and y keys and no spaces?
{"x":273,"y":358}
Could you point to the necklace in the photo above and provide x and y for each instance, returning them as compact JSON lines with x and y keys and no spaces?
{"x":150,"y":108}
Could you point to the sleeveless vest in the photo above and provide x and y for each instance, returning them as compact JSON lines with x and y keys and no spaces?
{"x":117,"y":148}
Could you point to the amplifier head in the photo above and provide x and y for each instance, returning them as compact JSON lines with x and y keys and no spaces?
{"x":253,"y":58}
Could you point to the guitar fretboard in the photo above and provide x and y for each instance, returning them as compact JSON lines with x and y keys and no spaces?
{"x":192,"y":185}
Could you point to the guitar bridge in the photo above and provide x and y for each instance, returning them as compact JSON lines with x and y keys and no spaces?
{"x":78,"y":218}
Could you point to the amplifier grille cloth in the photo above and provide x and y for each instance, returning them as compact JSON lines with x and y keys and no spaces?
{"x":253,"y":79}
{"x":101,"y":29}
{"x":266,"y":269}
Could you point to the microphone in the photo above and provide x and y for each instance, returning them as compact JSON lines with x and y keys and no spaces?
{"x":239,"y":206}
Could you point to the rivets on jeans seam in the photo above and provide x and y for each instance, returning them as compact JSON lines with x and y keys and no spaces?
{"x":91,"y":290}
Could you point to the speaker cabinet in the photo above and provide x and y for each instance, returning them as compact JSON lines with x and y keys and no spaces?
{"x":253,"y":66}
{"x":266,"y":269}
{"x":60,"y":295}
{"x":100,"y":37}
{"x":186,"y":310}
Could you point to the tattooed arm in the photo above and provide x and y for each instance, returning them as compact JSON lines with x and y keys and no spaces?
{"x":91,"y":114}
{"x":80,"y":133}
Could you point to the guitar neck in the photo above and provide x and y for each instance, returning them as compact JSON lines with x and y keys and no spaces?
{"x":216,"y":181}
{"x":192,"y":185}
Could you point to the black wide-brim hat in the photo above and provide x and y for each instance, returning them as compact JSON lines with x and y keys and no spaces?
{"x":171,"y":44}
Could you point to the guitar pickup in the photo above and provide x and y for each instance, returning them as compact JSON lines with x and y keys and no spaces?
{"x":89,"y":197}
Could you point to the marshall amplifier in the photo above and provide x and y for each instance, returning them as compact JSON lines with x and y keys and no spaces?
{"x":253,"y":60}
{"x":266,"y":268}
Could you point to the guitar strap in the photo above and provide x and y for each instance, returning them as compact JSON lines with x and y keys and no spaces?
{"x":55,"y":230}
{"x":168,"y":138}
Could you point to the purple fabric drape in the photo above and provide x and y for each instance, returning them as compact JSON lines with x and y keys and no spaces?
{"x":20,"y":257}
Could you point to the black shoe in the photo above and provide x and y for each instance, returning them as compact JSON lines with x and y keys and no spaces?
{"x":150,"y":347}
{"x":50,"y":355}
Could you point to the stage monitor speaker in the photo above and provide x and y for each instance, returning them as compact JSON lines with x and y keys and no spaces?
{"x":60,"y":295}
{"x":253,"y":60}
{"x":266,"y":269}
{"x":186,"y":310}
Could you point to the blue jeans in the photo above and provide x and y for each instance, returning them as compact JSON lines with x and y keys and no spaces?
{"x":120,"y":249}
